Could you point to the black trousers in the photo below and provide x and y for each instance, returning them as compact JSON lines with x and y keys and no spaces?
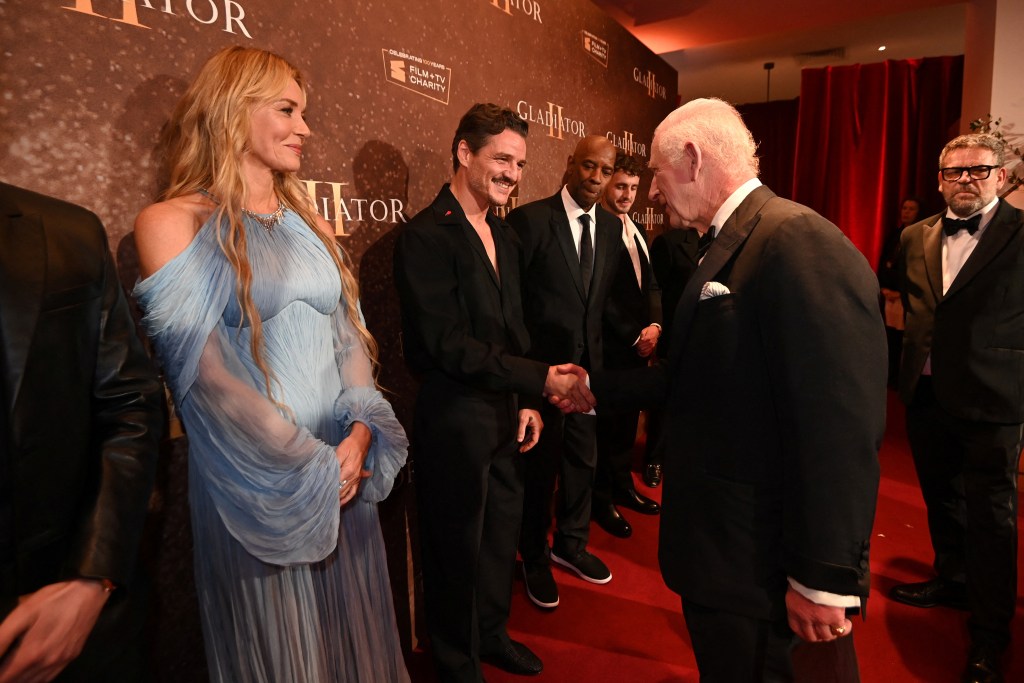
{"x":567,"y":452}
{"x":731,"y":648}
{"x":968,"y":476}
{"x":652,"y":446}
{"x":469,"y":490}
{"x":616,"y":436}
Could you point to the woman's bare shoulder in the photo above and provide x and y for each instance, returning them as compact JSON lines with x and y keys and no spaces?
{"x":163,"y":230}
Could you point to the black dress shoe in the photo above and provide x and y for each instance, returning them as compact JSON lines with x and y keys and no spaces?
{"x":515,"y":658}
{"x":984,"y":665}
{"x":609,"y":519}
{"x":634,"y":501}
{"x":938,"y":592}
{"x":652,"y":475}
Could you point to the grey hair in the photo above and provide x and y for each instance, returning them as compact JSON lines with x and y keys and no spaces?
{"x":973,"y":140}
{"x":717,"y":129}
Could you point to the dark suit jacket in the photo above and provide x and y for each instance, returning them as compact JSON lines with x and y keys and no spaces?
{"x":460,"y":320}
{"x":81,"y":399}
{"x":975,"y":333}
{"x":673,"y":260}
{"x":630,"y":308}
{"x":776,"y":414}
{"x":564,"y":323}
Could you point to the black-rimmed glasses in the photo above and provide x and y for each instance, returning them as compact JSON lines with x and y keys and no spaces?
{"x":953,"y":173}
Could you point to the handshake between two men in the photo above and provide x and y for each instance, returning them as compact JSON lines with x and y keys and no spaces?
{"x":566,"y":388}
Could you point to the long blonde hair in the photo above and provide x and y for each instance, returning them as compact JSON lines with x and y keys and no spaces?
{"x":205,"y":141}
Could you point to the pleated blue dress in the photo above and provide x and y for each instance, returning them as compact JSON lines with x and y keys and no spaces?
{"x":292,"y":587}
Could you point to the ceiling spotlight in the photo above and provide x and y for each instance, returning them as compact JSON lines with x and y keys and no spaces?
{"x":881,"y":48}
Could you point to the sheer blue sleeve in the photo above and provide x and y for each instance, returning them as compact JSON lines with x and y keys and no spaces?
{"x":274,"y":485}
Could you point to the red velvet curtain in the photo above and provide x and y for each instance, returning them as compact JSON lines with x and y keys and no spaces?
{"x":773,"y":125}
{"x":869,"y":135}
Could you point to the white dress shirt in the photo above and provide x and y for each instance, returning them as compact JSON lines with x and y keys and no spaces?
{"x":631,"y":237}
{"x":573,"y":211}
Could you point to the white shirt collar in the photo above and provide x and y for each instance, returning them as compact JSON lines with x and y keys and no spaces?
{"x":573,"y":210}
{"x":631,"y":232}
{"x":732,"y":202}
{"x":987,"y":212}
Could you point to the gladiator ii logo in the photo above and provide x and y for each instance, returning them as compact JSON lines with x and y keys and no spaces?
{"x":228,"y":14}
{"x":654,"y":89}
{"x":335,"y":208}
{"x":530,"y":8}
{"x":551,"y":116}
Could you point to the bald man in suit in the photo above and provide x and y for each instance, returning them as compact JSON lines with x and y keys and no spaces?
{"x":571,"y":250}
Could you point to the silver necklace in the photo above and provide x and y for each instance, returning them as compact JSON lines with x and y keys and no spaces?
{"x":267,"y":220}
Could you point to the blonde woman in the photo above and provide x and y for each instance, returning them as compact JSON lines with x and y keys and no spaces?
{"x":255,"y":319}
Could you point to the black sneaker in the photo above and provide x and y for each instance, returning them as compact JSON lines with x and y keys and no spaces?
{"x":540,"y":585}
{"x":586,"y":566}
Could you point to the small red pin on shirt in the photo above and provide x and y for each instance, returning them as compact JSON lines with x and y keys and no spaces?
{"x":447,"y":213}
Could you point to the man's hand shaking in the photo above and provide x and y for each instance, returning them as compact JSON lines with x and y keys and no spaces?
{"x":566,"y":387}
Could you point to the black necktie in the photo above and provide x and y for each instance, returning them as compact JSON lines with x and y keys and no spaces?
{"x":586,"y":253}
{"x":952,"y":226}
{"x":704,"y":243}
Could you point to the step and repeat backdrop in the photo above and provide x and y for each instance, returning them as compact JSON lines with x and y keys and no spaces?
{"x":86,"y":85}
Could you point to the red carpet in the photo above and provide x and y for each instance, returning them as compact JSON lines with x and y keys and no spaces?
{"x":632,"y":629}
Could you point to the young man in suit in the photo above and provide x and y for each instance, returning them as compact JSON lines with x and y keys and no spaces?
{"x":80,"y":421}
{"x":776,"y":409}
{"x":457,"y":271}
{"x":571,"y":250}
{"x":963,"y":382}
{"x":632,"y":326}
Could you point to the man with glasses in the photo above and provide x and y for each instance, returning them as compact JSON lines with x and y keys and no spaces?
{"x":963,"y":382}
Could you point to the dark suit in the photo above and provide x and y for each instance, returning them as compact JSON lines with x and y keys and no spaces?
{"x":964,"y":421}
{"x":463,"y":335}
{"x":565,"y":327}
{"x":777,"y":408}
{"x":81,"y":419}
{"x":673,"y":260}
{"x":631,"y":307}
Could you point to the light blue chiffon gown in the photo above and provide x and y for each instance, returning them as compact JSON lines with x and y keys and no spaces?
{"x":292,"y":588}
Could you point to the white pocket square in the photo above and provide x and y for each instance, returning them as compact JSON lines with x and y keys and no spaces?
{"x":712,"y":289}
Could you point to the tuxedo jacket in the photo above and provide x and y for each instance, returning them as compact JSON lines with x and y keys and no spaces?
{"x":775,"y":415}
{"x":631,"y":307}
{"x":975,"y":332}
{"x":673,"y":260}
{"x":81,"y":399}
{"x":462,"y":322}
{"x":565,"y":324}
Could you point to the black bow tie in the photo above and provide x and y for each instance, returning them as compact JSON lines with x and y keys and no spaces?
{"x":704,"y":242}
{"x":952,"y":226}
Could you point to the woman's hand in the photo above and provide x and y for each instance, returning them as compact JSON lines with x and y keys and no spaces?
{"x":351,"y":454}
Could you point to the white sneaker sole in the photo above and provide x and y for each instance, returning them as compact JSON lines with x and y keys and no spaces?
{"x":568,"y":565}
{"x":535,"y":600}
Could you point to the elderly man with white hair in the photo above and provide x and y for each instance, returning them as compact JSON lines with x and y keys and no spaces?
{"x":776,"y":407}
